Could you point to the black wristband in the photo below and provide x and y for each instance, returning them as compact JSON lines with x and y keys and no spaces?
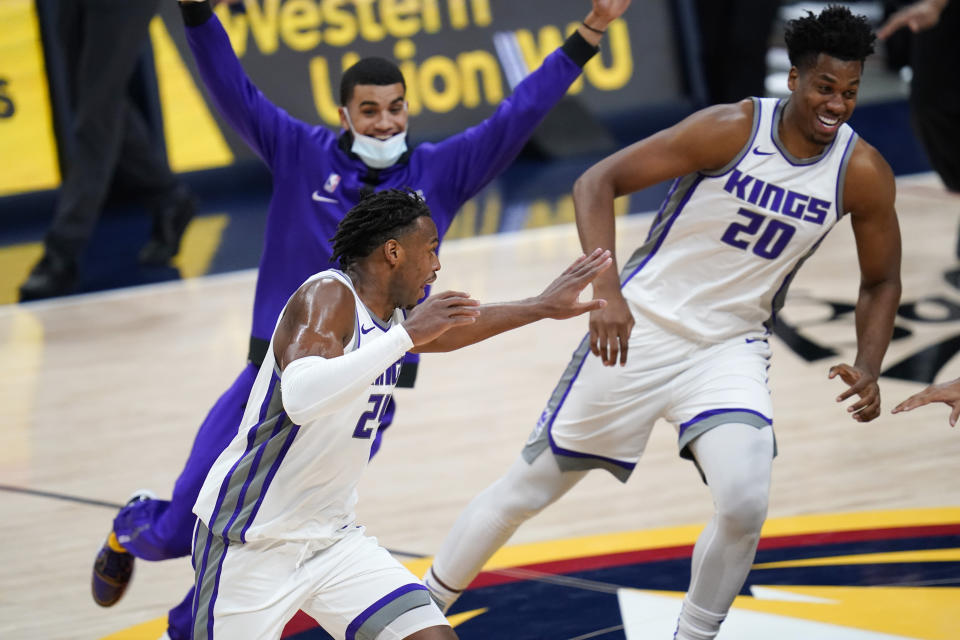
{"x":578,"y":49}
{"x":600,"y":31}
{"x":195,"y":13}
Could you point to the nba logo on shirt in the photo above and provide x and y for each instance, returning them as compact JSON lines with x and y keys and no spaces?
{"x":331,"y":184}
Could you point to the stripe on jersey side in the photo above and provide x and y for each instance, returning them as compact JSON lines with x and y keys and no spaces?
{"x":261,"y":482}
{"x":244,"y":486}
{"x":376,"y":617}
{"x":542,"y":438}
{"x":754,"y":129}
{"x":685,"y":187}
{"x":842,"y":174}
{"x":780,"y":297}
{"x":253,"y":441}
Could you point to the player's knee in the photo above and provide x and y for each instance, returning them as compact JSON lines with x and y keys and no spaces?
{"x":743,"y":514}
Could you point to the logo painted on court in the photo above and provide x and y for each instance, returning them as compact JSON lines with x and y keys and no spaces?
{"x":861,"y":576}
{"x":932,"y":323}
{"x":891,"y":575}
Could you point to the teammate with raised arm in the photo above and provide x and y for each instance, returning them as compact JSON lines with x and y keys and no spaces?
{"x":277,"y":529}
{"x":684,"y":336}
{"x":318,"y":176}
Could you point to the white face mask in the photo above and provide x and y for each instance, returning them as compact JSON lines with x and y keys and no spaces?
{"x":376,"y":153}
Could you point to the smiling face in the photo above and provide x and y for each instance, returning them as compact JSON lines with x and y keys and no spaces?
{"x":823,"y":97}
{"x":378,"y":111}
{"x":419,"y":265}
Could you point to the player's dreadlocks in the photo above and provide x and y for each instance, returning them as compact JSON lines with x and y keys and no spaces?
{"x":836,"y":32}
{"x":374,"y":220}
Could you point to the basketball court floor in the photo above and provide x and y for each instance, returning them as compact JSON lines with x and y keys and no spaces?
{"x":102,"y":394}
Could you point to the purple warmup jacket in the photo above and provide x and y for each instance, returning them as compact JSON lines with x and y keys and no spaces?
{"x":316,"y":181}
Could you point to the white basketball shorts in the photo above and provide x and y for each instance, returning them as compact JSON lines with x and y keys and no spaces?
{"x":354,"y":588}
{"x":601,"y":417}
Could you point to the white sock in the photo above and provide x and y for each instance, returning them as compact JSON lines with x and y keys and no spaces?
{"x":697,"y":623}
{"x":442,"y":596}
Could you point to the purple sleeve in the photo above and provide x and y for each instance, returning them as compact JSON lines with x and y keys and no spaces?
{"x":482,"y":152}
{"x":261,"y":124}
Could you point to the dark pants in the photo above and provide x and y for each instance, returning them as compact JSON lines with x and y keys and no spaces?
{"x":935,"y":94}
{"x":102,"y":41}
{"x":735,"y":36}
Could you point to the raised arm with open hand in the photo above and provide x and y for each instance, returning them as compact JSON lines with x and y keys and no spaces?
{"x":918,"y":16}
{"x":559,"y":300}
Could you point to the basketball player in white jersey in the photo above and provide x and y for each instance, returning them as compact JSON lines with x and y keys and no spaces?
{"x":277,"y":530}
{"x":758,"y":185}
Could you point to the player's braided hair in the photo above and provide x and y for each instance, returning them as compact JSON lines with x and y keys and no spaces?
{"x":374,"y":220}
{"x":836,"y":32}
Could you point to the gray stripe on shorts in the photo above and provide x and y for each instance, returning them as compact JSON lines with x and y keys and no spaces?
{"x":728,"y":417}
{"x":540,"y":439}
{"x":375,"y":624}
{"x":588,"y":462}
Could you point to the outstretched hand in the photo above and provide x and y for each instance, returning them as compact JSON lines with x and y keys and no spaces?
{"x":945,"y":392}
{"x":560,"y":300}
{"x":862,"y":384}
{"x":918,"y":16}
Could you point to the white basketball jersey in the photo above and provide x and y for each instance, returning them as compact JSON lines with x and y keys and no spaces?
{"x":281,"y":480}
{"x":725,"y":245}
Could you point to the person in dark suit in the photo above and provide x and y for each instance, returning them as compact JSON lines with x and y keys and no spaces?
{"x":110,"y":140}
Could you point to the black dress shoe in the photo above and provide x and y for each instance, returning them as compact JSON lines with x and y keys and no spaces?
{"x":52,"y":276}
{"x":168,"y":227}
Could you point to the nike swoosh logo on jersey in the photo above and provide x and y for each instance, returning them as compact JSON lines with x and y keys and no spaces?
{"x":364,"y":330}
{"x":757,"y":151}
{"x":320,"y":198}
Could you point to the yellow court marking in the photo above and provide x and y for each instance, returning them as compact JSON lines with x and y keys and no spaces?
{"x":199,"y":245}
{"x":463,"y":616}
{"x":934,"y":555}
{"x":15,"y":264}
{"x":554,"y":550}
{"x":21,"y":361}
{"x":147,"y":631}
{"x":915,"y":612}
{"x":928,"y":613}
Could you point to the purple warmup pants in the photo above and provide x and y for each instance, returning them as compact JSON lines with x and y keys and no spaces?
{"x":162,"y":529}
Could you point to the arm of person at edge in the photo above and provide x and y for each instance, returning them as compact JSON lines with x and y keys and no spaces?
{"x":320,"y":318}
{"x":704,"y":141}
{"x":945,"y":392}
{"x":476,"y":156}
{"x":261,"y":124}
{"x":919,"y":16}
{"x":868,"y":195}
